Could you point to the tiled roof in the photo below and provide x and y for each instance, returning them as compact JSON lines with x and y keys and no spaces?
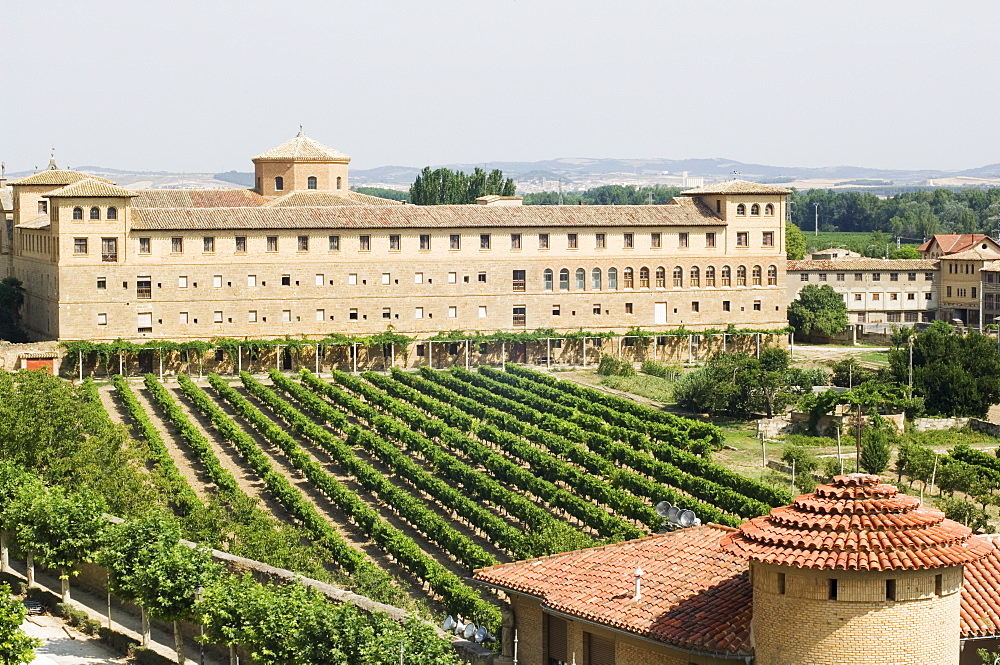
{"x":6,"y":198}
{"x":695,"y":595}
{"x":37,"y":222}
{"x":981,"y":596}
{"x":321,"y":199}
{"x":857,"y":523}
{"x":975,"y":254}
{"x":849,"y":264}
{"x":688,"y":212}
{"x":89,"y":187}
{"x":736,"y":187}
{"x":951,"y":243}
{"x":302,"y":149}
{"x":57,"y":177}
{"x":196,"y":198}
{"x":991,"y":265}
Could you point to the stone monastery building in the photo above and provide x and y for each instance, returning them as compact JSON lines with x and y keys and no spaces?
{"x":854,"y":574}
{"x":301,"y":255}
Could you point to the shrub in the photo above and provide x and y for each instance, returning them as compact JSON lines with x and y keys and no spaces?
{"x":610,"y":366}
{"x":810,"y":441}
{"x":654,"y":368}
{"x":805,"y":461}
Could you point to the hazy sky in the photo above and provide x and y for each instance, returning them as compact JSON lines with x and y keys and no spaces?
{"x":203,"y":86}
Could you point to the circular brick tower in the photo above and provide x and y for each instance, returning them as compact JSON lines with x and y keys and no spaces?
{"x":855,"y":574}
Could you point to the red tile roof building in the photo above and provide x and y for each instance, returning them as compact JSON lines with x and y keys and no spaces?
{"x":855,"y":573}
{"x":943,"y":244}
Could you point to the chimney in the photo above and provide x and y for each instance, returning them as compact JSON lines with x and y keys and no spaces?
{"x":638,"y":583}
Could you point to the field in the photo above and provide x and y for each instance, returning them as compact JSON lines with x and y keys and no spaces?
{"x":827,"y":239}
{"x":413,"y":480}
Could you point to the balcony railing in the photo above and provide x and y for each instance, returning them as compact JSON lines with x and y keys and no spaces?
{"x":520,"y":320}
{"x":519,"y":285}
{"x":144,"y":293}
{"x":109,"y":257}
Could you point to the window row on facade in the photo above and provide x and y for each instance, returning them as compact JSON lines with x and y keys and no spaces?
{"x":860,"y":276}
{"x":111,"y":213}
{"x":755,"y":209}
{"x":311,"y":183}
{"x":630,"y":278}
{"x":890,"y":297}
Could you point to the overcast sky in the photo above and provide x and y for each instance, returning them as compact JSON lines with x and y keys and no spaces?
{"x":203,"y":86}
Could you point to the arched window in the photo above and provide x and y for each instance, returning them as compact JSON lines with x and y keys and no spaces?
{"x":695,"y":276}
{"x":769,"y":209}
{"x":95,"y":213}
{"x":564,"y":280}
{"x":581,"y":279}
{"x":755,"y":209}
{"x":311,"y":182}
{"x":727,"y":276}
{"x":710,"y":276}
{"x":756,"y":275}
{"x":661,"y":277}
{"x":279,"y":184}
{"x":77,"y":213}
{"x":678,"y":276}
{"x":612,"y":278}
{"x":628,"y":279}
{"x":741,"y":276}
{"x":741,"y":209}
{"x":338,"y":182}
{"x":772,"y":276}
{"x":547,"y":279}
{"x":595,"y":279}
{"x":644,"y":277}
{"x":112,"y":213}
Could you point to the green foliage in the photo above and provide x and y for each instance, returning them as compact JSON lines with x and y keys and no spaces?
{"x":877,"y":442}
{"x":805,"y":460}
{"x":810,"y":441}
{"x":61,"y":528}
{"x":446,"y":187}
{"x":11,"y":301}
{"x":16,"y":648}
{"x":848,"y":373}
{"x":795,"y":242}
{"x":608,"y":195}
{"x":966,"y":513}
{"x":905,"y":252}
{"x":957,"y":375}
{"x":383,"y":192}
{"x":741,"y":384}
{"x":660,"y":370}
{"x":818,"y":308}
{"x":610,"y":366}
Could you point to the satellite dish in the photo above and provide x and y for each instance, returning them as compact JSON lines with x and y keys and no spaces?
{"x":662,"y":508}
{"x":686,"y":518}
{"x":448,"y":624}
{"x":481,"y":635}
{"x":470,"y":630}
{"x":459,"y":627}
{"x":673,"y":514}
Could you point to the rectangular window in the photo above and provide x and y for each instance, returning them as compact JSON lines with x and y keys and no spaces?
{"x":79,"y":245}
{"x":102,"y":283}
{"x":482,"y":311}
{"x":252,"y":316}
{"x":251,"y":280}
{"x":726,"y":305}
{"x":182,"y":282}
{"x":743,"y":239}
{"x":519,"y":280}
{"x":143,"y":288}
{"x":876,"y":277}
{"x":352,"y":314}
{"x":102,"y":319}
{"x":352,"y":279}
{"x":893,"y":317}
{"x":484,"y":241}
{"x":272,"y":243}
{"x":822,"y":277}
{"x":145,"y":245}
{"x":482,"y":277}
{"x":571,"y":240}
{"x":781,"y":584}
{"x":520,"y":317}
{"x":208,"y":244}
{"x":393,"y":243}
{"x":858,"y":276}
{"x":911,"y":296}
{"x":768,"y":239}
{"x":241,"y":244}
{"x":334,"y":243}
{"x":217,"y":281}
{"x":841,"y":277}
{"x":694,"y":305}
{"x":43,"y":207}
{"x":320,"y":315}
{"x":515,"y":241}
{"x":177,"y":245}
{"x":109,"y":250}
{"x":597,"y":308}
{"x":452,"y":312}
{"x":453,"y":278}
{"x":320,"y":280}
{"x":303,"y":243}
{"x":628,"y":240}
{"x":894,"y":277}
{"x":386,"y":278}
{"x":857,"y":297}
{"x":875,"y":296}
{"x":425,"y":241}
{"x":556,"y":310}
{"x":628,"y":308}
{"x":286,"y":280}
{"x":455,"y":241}
{"x":365,"y":243}
{"x":182,"y":318}
{"x":831,"y":592}
{"x":709,"y":240}
{"x":217,"y":317}
{"x":543,"y":240}
{"x":418,"y":278}
{"x":286,"y":315}
{"x":928,"y":276}
{"x":973,"y":292}
{"x":682,"y":240}
{"x":418,"y":313}
{"x":386,"y":313}
{"x":756,"y":305}
{"x":804,"y":277}
{"x":948,"y":291}
{"x":911,"y":276}
{"x":893,"y":296}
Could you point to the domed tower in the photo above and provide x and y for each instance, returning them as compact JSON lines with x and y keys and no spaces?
{"x":298,"y":165}
{"x":855,"y":574}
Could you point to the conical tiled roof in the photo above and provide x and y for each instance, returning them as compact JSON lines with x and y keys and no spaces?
{"x":857,"y":523}
{"x":302,"y":149}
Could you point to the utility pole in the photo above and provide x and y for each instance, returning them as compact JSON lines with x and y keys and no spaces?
{"x":817,"y":218}
{"x":857,"y":441}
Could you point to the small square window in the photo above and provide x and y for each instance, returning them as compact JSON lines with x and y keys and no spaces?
{"x":858,"y":276}
{"x":303,"y":243}
{"x":756,"y":305}
{"x":726,"y":305}
{"x":102,"y":319}
{"x":217,"y":281}
{"x":822,"y":277}
{"x":272,"y":243}
{"x":79,"y":245}
{"x":482,"y":277}
{"x":571,"y":240}
{"x":352,"y":315}
{"x":217,"y":317}
{"x":418,"y":278}
{"x":320,"y":315}
{"x":911,"y":296}
{"x":177,"y":245}
{"x":628,"y":240}
{"x":556,"y":310}
{"x":145,"y":245}
{"x":208,"y":244}
{"x":911,"y":276}
{"x":102,"y":283}
{"x":286,"y":315}
{"x":251,"y":281}
{"x":452,"y":312}
{"x":543,"y":241}
{"x":876,"y":276}
{"x":857,"y":297}
{"x":334,"y":243}
{"x":482,"y":311}
{"x":418,"y":313}
{"x":425,"y":241}
{"x":743,"y":239}
{"x":394,"y":243}
{"x":182,"y":282}
{"x":600,"y":240}
{"x":386,"y":278}
{"x":320,"y":280}
{"x":241,"y":244}
{"x":252,"y":316}
{"x":841,"y":277}
{"x":365,"y":243}
{"x":452,"y":277}
{"x":352,"y":279}
{"x":597,"y":308}
{"x":286,"y":280}
{"x":695,"y":305}
{"x":386,"y":313}
{"x":894,"y":277}
{"x":182,"y":318}
{"x":484,"y":241}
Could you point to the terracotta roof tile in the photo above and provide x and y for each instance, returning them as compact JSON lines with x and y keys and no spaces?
{"x":89,"y":187}
{"x":849,"y":264}
{"x":736,"y":187}
{"x":196,"y":198}
{"x":981,"y":596}
{"x":951,"y":243}
{"x":302,"y":149}
{"x":695,"y":595}
{"x":976,"y":253}
{"x":57,"y":177}
{"x":685,"y":212}
{"x":322,"y":199}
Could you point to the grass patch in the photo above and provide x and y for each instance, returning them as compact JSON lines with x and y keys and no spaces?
{"x":881,"y":357}
{"x":651,"y":387}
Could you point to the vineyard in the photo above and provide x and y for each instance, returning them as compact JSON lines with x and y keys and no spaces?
{"x":408,"y":481}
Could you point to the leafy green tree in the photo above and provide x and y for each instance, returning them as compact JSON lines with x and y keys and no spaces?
{"x":877,"y":442}
{"x":16,"y":489}
{"x":848,"y":373}
{"x":446,"y":187}
{"x":818,"y":308}
{"x":966,"y":513}
{"x":957,"y":374}
{"x":905,"y":252}
{"x":804,"y":462}
{"x":62,"y":528}
{"x":16,"y":648}
{"x":795,"y":242}
{"x":741,"y":384}
{"x":987,"y":657}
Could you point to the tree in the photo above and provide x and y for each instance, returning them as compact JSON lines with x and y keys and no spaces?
{"x":876,"y":445}
{"x":741,"y":384}
{"x":16,"y":648}
{"x":848,"y":373}
{"x":818,"y":308}
{"x":447,"y":187}
{"x":905,"y":252}
{"x":795,"y":242}
{"x":957,"y":374}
